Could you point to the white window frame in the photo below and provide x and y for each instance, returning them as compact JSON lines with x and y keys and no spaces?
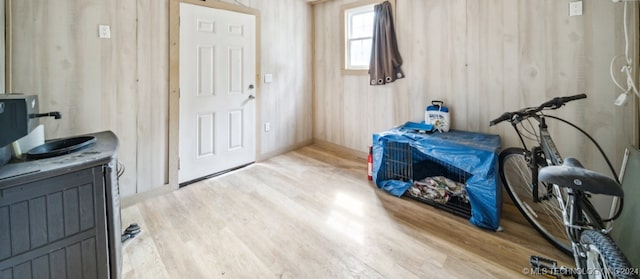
{"x":349,"y":14}
{"x":345,"y":12}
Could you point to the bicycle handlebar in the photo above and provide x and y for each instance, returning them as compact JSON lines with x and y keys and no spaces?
{"x":554,"y":103}
{"x":560,"y":101}
{"x":503,"y":117}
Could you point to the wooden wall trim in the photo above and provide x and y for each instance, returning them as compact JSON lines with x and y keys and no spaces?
{"x":217,"y":4}
{"x":7,"y":46}
{"x":314,"y":111}
{"x":174,"y":91}
{"x":636,"y":61}
{"x":316,"y":2}
{"x":174,"y":77}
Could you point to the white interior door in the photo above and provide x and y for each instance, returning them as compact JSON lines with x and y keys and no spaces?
{"x":217,"y":77}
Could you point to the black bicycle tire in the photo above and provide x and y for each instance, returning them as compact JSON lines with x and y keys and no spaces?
{"x":613,"y":257}
{"x":565,"y":245}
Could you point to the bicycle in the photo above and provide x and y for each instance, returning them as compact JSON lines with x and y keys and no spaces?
{"x":552,"y":194}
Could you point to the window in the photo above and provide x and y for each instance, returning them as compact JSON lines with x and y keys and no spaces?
{"x":358,"y":37}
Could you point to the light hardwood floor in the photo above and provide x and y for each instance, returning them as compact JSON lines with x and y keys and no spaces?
{"x":312,"y":214}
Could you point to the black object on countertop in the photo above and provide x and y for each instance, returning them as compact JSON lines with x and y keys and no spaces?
{"x":54,"y":114}
{"x":103,"y":151}
{"x":60,"y":147}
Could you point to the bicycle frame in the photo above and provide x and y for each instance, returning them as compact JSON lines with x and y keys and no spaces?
{"x":546,"y":147}
{"x":546,"y":153}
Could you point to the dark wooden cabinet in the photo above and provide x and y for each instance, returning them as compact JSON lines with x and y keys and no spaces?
{"x":62,"y":226}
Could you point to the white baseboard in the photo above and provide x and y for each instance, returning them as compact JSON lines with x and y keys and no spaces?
{"x":140,"y":197}
{"x":340,"y":149}
{"x":284,"y":150}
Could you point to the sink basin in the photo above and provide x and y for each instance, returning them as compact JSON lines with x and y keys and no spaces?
{"x":60,"y":147}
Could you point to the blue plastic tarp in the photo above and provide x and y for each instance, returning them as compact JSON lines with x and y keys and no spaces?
{"x":474,"y":153}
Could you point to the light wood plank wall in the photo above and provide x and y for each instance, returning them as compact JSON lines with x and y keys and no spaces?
{"x":121,"y":84}
{"x":483,"y":58}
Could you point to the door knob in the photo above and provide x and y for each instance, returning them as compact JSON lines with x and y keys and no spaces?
{"x":251,"y":97}
{"x":250,"y":86}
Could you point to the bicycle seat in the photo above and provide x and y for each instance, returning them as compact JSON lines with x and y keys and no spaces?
{"x":571,"y":174}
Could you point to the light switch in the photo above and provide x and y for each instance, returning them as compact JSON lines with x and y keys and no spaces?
{"x":268,"y":78}
{"x":104,"y":31}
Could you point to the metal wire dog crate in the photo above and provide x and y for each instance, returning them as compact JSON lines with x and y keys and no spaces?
{"x":404,"y":163}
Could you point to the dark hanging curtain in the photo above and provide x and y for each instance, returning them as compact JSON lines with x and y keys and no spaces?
{"x":385,"y":63}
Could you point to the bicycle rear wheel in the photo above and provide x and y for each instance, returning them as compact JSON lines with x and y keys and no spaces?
{"x":603,"y":259}
{"x":546,"y":215}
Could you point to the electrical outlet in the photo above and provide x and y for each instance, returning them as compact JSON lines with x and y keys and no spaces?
{"x":575,"y":8}
{"x":104,"y":31}
{"x":267,"y":127}
{"x":268,"y":78}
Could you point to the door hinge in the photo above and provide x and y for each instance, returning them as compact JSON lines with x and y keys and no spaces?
{"x":178,"y":163}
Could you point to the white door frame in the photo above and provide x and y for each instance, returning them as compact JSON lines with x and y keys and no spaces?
{"x":174,"y":78}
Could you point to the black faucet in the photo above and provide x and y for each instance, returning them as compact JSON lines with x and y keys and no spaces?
{"x":54,"y":114}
